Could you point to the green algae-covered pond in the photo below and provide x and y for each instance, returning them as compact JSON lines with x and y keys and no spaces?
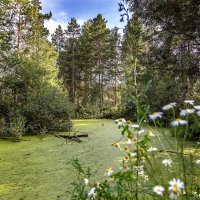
{"x":42,"y":170}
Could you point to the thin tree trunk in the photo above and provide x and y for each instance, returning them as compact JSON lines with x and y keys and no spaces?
{"x":19,"y":32}
{"x":73,"y":76}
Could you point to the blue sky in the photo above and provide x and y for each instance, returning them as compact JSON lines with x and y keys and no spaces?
{"x":82,"y":10}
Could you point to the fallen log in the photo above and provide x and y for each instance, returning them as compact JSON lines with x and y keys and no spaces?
{"x":74,"y":137}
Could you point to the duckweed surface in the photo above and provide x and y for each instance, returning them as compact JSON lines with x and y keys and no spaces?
{"x":42,"y":170}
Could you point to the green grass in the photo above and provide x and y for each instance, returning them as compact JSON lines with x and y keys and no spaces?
{"x":42,"y":170}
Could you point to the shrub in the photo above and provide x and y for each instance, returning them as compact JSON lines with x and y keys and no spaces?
{"x":87,"y":112}
{"x":2,"y":126}
{"x":48,"y":109}
{"x":17,"y":127}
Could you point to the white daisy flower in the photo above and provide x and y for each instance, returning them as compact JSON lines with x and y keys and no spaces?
{"x":186,"y":112}
{"x":129,"y":122}
{"x":86,"y":181}
{"x":120,"y":121}
{"x":197,"y":162}
{"x":128,"y":141}
{"x":117,"y":146}
{"x":146,"y":178}
{"x":135,"y":139}
{"x":151,"y":149}
{"x":155,"y":115}
{"x":197,"y":107}
{"x":96,"y":184}
{"x":91,"y":193}
{"x":191,"y":102}
{"x":108,"y":172}
{"x":126,"y":159}
{"x":141,"y":173}
{"x":169,"y":106}
{"x":125,"y":167}
{"x":159,"y":190}
{"x":194,"y":192}
{"x":167,"y":162}
{"x":126,"y":149}
{"x":198,"y":113}
{"x":139,"y":168}
{"x":178,"y":122}
{"x":176,"y":184}
{"x":133,"y":154}
{"x":141,"y":131}
{"x":150,"y":133}
{"x":134,"y":125}
{"x":142,"y":159}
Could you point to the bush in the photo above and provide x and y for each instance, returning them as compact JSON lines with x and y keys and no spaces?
{"x":87,"y":112}
{"x":17,"y":127}
{"x":2,"y":126}
{"x":48,"y":109}
{"x":96,"y":112}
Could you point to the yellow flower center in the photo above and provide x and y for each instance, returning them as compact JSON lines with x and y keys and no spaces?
{"x":141,"y":149}
{"x":158,"y":190}
{"x":120,"y":119}
{"x":126,"y":158}
{"x":125,"y":166}
{"x":116,"y":145}
{"x":130,"y":136}
{"x":142,"y":158}
{"x":135,"y":139}
{"x":96,"y":184}
{"x":155,"y":113}
{"x":129,"y":122}
{"x":178,"y":120}
{"x":107,"y":170}
{"x":175,"y":190}
{"x":126,"y":148}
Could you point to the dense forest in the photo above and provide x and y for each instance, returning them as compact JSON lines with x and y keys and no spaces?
{"x":90,"y":71}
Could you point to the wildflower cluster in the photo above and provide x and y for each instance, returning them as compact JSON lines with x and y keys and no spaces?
{"x":144,"y":171}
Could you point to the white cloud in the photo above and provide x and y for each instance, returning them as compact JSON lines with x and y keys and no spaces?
{"x":81,"y":21}
{"x":59,"y":19}
{"x":52,"y":24}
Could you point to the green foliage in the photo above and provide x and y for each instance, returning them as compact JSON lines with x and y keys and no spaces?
{"x":17,"y":126}
{"x":29,"y":76}
{"x":88,"y":62}
{"x":191,"y":132}
{"x":143,"y":167}
{"x":78,"y":191}
{"x":164,"y":44}
{"x":48,"y":109}
{"x":2,"y":126}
